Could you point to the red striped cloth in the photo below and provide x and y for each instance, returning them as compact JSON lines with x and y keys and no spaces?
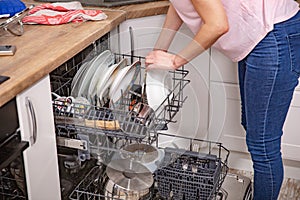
{"x":61,"y":13}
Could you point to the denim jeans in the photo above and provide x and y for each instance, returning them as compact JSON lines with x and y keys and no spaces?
{"x":267,"y":78}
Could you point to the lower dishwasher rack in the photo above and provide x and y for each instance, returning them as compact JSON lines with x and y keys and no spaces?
{"x":191,"y":169}
{"x":195,"y":171}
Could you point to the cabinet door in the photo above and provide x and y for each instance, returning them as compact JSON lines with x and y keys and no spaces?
{"x":192,"y":120}
{"x":225,"y":110}
{"x":225,"y":106}
{"x":225,"y":116}
{"x":222,"y":69}
{"x":291,"y":137}
{"x":138,"y":36}
{"x":37,"y":127}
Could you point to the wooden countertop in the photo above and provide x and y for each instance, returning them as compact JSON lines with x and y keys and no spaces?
{"x":145,"y":9}
{"x":41,"y":49}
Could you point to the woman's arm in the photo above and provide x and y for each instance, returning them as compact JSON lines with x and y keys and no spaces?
{"x":171,"y":25}
{"x":214,"y":25}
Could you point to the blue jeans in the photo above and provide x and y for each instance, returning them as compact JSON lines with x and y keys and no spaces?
{"x":267,"y":78}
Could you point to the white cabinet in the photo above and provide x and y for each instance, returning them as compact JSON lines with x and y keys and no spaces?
{"x":192,"y":120}
{"x":225,"y":116}
{"x":139,"y":36}
{"x":222,"y":69}
{"x":225,"y":105}
{"x":225,"y":110}
{"x":290,"y":140}
{"x":37,"y":126}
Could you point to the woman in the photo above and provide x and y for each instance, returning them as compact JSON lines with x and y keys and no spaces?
{"x":263,"y":36}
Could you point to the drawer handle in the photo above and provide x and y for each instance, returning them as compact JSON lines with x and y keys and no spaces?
{"x":31,"y":111}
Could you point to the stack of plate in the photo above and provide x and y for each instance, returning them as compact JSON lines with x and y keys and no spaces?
{"x":101,"y":79}
{"x":124,"y":80}
{"x":89,"y":73}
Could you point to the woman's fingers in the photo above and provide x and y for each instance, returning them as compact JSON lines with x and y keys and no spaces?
{"x":160,"y":60}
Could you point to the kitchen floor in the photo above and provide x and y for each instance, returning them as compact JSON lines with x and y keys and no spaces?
{"x":290,"y":189}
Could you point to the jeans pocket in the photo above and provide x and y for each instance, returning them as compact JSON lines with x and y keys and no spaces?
{"x":294,"y":44}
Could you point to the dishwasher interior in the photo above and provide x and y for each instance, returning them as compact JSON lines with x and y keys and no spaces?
{"x":122,"y":149}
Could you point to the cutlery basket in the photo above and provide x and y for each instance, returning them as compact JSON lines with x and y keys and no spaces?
{"x":194,"y":172}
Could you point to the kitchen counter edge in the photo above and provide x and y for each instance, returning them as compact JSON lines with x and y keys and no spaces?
{"x":44,"y":48}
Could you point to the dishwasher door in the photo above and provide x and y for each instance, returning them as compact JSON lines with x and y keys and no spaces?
{"x":12,"y":177}
{"x":236,"y":187}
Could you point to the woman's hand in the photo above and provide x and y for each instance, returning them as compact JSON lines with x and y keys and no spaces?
{"x":158,"y":59}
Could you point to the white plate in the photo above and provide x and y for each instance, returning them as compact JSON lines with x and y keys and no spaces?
{"x":107,"y":79}
{"x":158,"y":87}
{"x":99,"y":75}
{"x":77,"y":80}
{"x":86,"y":79}
{"x":124,"y":80}
{"x":79,"y":74}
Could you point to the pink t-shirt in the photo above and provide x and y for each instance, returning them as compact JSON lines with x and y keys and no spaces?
{"x":249,"y":22}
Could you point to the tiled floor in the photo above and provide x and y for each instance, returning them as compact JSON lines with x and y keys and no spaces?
{"x":290,"y":189}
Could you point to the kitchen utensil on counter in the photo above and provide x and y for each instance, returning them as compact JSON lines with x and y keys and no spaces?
{"x":14,"y":24}
{"x":131,"y":179}
{"x":3,"y":79}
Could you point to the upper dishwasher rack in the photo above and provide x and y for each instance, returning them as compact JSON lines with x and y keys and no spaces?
{"x":116,"y":120}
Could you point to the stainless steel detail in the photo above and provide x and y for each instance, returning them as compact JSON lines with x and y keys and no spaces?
{"x":130,"y":135}
{"x":14,"y":24}
{"x":142,"y":153}
{"x":31,"y":111}
{"x":129,"y":175}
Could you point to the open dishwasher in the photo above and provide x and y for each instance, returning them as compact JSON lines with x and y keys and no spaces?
{"x":116,"y":147}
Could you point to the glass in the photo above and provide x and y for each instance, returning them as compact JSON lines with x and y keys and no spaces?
{"x":14,"y":24}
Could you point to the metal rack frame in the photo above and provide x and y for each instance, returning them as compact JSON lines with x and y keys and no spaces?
{"x":194,"y":172}
{"x":101,"y":131}
{"x":10,"y":185}
{"x":117,"y":121}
